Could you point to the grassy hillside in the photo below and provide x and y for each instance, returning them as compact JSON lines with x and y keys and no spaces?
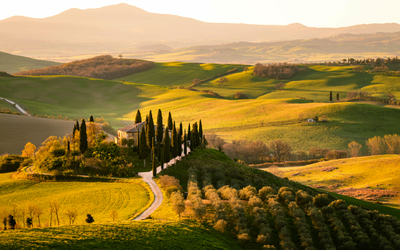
{"x":179,"y":73}
{"x":13,"y":63}
{"x":17,"y":130}
{"x":135,"y":235}
{"x":268,"y":114}
{"x":95,"y":198}
{"x":372,"y":178}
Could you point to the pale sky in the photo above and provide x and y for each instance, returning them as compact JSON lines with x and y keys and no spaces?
{"x":312,"y":13}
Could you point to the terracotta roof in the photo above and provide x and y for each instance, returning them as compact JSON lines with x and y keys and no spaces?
{"x":135,"y":127}
{"x":132,"y":128}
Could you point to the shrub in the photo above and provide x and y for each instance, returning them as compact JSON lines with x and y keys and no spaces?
{"x":303,"y":198}
{"x":247,"y":192}
{"x":169,"y":181}
{"x":321,"y":200}
{"x":220,"y":225}
{"x":276,"y":70}
{"x":89,"y":218}
{"x":264,"y":192}
{"x":178,"y":203}
{"x":240,"y":95}
{"x":10,"y":163}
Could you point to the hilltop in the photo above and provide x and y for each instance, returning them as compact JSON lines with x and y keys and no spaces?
{"x":14,"y":63}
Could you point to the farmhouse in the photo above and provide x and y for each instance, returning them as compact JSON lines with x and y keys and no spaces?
{"x":131,"y":132}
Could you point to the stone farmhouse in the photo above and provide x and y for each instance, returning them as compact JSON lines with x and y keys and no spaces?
{"x":131,"y":132}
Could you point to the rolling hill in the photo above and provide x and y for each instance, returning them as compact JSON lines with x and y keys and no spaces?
{"x":371,"y":178}
{"x":13,"y":63}
{"x":268,"y":114}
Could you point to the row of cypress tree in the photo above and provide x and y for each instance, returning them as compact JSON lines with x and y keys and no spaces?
{"x":83,"y":142}
{"x":164,"y":145}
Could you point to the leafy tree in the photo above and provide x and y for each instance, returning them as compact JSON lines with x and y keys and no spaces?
{"x":114,"y":215}
{"x":29,"y":150}
{"x":245,"y":69}
{"x":222,"y":80}
{"x":167,"y":146}
{"x":55,"y":208}
{"x":89,"y":219}
{"x":169,"y":120}
{"x":83,"y":138}
{"x":71,"y":213}
{"x":281,"y":150}
{"x":11,"y":221}
{"x":91,"y":119}
{"x":138,"y":118}
{"x":29,"y":222}
{"x":159,"y":133}
{"x":280,"y":85}
{"x":178,"y":202}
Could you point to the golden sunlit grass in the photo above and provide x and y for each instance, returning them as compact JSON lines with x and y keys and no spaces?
{"x":95,"y":198}
{"x":372,"y":176}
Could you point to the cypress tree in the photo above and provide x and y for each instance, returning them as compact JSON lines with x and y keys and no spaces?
{"x":150,"y":133}
{"x":144,"y":149}
{"x":91,"y":119}
{"x":153,"y":164}
{"x":330,"y":96}
{"x":189,"y":136}
{"x":77,"y":126}
{"x":195,"y":135}
{"x":68,"y":147}
{"x":138,"y":143}
{"x":159,"y":132}
{"x":180,"y":130}
{"x":83,"y":138}
{"x":174,"y":143}
{"x":162,"y":158}
{"x":191,"y":142}
{"x":169,"y":120}
{"x":185,"y":144}
{"x":167,"y":146}
{"x":337,"y":97}
{"x":179,"y":145}
{"x":138,"y":118}
{"x":200,"y":131}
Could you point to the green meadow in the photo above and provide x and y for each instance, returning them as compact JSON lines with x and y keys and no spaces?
{"x":13,"y":63}
{"x":147,"y":234}
{"x":268,"y":114}
{"x":96,"y":198}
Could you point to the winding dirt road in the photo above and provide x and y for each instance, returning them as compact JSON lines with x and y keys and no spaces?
{"x":158,"y":196}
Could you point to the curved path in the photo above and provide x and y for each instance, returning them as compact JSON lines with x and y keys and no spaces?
{"x":158,"y":196}
{"x":16,"y":106}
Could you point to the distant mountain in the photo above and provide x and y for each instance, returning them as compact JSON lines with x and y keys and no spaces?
{"x":12,"y":63}
{"x":121,"y":27}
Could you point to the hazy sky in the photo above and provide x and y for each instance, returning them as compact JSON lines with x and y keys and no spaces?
{"x":313,"y":13}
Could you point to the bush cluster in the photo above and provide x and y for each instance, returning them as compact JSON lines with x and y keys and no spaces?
{"x":102,"y":67}
{"x":277,"y":70}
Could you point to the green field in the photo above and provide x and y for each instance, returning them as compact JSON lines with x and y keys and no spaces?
{"x":95,"y":198}
{"x":268,"y":114}
{"x":135,"y":235}
{"x":13,"y":63}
